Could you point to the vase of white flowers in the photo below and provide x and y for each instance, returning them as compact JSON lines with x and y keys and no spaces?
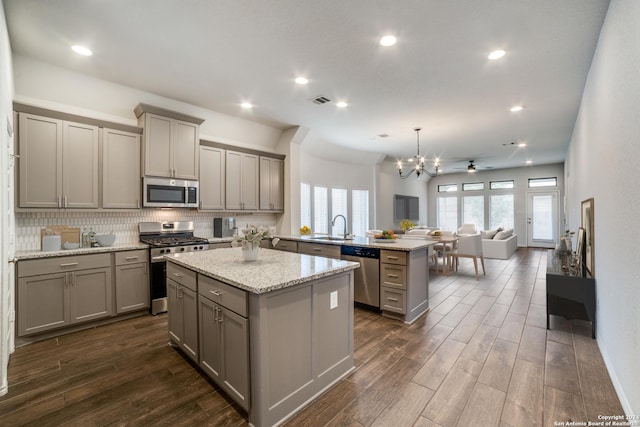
{"x":250,"y":240}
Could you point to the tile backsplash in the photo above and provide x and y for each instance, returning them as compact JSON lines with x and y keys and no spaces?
{"x":123,"y":224}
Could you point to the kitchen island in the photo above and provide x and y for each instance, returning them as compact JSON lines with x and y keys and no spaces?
{"x":273,"y":334}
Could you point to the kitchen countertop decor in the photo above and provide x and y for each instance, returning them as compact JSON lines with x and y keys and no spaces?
{"x":273,"y":270}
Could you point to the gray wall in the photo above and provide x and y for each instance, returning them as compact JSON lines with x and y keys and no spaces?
{"x":602,"y":162}
{"x":519,"y":175}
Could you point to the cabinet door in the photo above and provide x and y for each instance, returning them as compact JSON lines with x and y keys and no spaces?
{"x":132,"y":287}
{"x":120,"y":169}
{"x":80,"y":145}
{"x":42,"y":303}
{"x":271,"y":184}
{"x":189,"y":300}
{"x":174,"y":308}
{"x":209,"y":332}
{"x":235,"y":356}
{"x":212,"y":178}
{"x":40,"y":163}
{"x":250,"y":181}
{"x":157,"y":145}
{"x":277,"y":184}
{"x":90,"y":294}
{"x":185,"y":150}
{"x":233,"y":181}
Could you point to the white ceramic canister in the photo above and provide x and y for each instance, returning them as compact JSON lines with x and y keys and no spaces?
{"x":51,"y":243}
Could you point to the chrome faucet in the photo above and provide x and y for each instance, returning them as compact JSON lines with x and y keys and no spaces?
{"x":333,"y":223}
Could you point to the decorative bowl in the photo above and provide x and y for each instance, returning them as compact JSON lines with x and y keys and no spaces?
{"x":105,"y":239}
{"x":69,"y":245}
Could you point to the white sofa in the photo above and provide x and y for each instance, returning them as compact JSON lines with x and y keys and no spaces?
{"x":500,"y":249}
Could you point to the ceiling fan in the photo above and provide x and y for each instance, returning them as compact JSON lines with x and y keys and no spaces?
{"x":472,"y":167}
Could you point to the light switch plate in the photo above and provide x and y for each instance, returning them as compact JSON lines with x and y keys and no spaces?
{"x":333,"y":300}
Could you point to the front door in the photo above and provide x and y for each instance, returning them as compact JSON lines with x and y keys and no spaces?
{"x":542,"y":219}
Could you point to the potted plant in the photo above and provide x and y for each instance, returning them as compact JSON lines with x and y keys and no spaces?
{"x":250,"y":240}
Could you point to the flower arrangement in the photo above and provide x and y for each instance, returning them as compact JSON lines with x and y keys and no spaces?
{"x":406,"y":225}
{"x":252,"y":236}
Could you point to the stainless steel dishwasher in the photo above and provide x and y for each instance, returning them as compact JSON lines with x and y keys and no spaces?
{"x":366,"y":279}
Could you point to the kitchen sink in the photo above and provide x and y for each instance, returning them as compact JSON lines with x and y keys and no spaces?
{"x":332,"y":238}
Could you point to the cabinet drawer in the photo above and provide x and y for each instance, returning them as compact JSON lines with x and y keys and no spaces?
{"x":36,"y":267}
{"x":393,"y":300}
{"x":287,"y":245}
{"x":219,"y":245}
{"x":393,"y":257}
{"x":393,"y":275}
{"x":227,"y":296}
{"x":329,"y":251}
{"x":182,"y":276}
{"x":132,"y":257}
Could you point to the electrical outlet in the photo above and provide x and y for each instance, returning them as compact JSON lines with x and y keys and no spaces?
{"x":333,"y":300}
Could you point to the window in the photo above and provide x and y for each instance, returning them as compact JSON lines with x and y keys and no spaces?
{"x":543,"y":182}
{"x":473,"y":211}
{"x":305,"y":204}
{"x":447,"y":188}
{"x":501,"y":211}
{"x":339,"y":207}
{"x":360,"y":212}
{"x":320,"y":210}
{"x":501,"y":185}
{"x":448,"y":213}
{"x":472,"y":186}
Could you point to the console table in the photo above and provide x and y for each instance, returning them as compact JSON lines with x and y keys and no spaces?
{"x":569,"y":293}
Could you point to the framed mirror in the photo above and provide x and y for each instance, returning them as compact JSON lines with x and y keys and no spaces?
{"x":587,"y":224}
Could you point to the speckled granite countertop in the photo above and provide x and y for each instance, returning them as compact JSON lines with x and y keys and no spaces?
{"x":273,"y":270}
{"x":220,"y":239}
{"x":21,"y":255}
{"x":406,"y":244}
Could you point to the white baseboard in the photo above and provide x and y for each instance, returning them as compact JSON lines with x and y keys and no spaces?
{"x":626,"y":406}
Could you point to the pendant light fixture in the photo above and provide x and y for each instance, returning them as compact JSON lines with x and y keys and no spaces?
{"x":417,"y":162}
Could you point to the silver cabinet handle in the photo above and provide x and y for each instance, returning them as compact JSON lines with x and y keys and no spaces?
{"x":393,"y":299}
{"x":317,"y":249}
{"x":69,"y":264}
{"x":59,"y":201}
{"x":392,"y":257}
{"x":131,"y":258}
{"x":395,"y":276}
{"x":177,"y":274}
{"x":215,"y":314}
{"x":65,"y":201}
{"x":216,"y":293}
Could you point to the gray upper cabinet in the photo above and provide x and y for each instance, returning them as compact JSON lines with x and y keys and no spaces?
{"x":212,"y":178}
{"x":271,"y":184}
{"x":120,"y":169}
{"x":58,"y":163}
{"x":171,"y":142}
{"x":241,"y":184}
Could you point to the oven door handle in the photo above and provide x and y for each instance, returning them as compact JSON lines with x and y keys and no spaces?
{"x":157,"y":258}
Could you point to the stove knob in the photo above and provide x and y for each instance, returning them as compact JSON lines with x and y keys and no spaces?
{"x":161,"y":251}
{"x":181,"y":249}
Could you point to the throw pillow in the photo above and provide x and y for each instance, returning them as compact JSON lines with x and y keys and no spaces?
{"x":488,"y":234}
{"x":502,"y":235}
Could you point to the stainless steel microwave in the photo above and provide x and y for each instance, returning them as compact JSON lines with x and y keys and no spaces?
{"x":169,"y":193}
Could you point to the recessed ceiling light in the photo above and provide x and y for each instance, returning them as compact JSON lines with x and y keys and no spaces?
{"x":496,"y":54}
{"x":81,"y":50}
{"x":522,"y":144}
{"x":529,"y":162}
{"x":388,"y":40}
{"x":341,"y":104}
{"x":246,"y":105}
{"x":516,"y":108}
{"x":301,"y":80}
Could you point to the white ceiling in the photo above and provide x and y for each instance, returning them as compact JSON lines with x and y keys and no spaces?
{"x":217,"y":53}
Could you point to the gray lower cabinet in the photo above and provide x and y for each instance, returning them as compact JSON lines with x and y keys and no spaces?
{"x":224,"y":349}
{"x":62,"y":291}
{"x":404,"y":284}
{"x":182,"y":303}
{"x":132,"y":281}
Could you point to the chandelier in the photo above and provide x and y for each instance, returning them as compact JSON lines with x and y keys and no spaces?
{"x":417,"y":163}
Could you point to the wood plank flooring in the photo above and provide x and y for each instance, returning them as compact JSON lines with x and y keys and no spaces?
{"x":481,"y":356}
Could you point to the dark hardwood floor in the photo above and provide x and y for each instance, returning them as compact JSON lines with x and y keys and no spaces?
{"x":481,"y":357}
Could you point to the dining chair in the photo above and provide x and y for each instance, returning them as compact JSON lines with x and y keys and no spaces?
{"x":469,"y":246}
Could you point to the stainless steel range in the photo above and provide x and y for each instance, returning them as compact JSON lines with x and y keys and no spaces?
{"x":166,"y":238}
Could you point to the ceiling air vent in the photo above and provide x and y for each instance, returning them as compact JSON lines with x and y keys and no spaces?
{"x":320,"y":99}
{"x":383,"y":135}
